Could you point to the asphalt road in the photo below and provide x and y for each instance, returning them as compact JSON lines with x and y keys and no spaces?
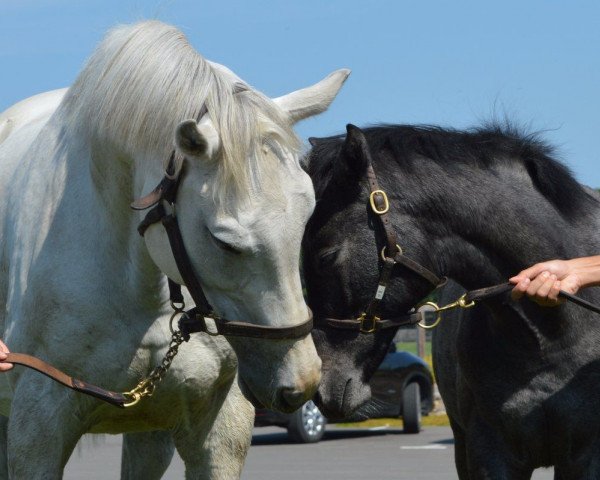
{"x":344,"y":454}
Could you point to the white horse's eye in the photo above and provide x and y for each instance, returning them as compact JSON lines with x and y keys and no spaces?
{"x":224,"y":245}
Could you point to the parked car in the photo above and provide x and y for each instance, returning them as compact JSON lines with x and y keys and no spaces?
{"x":402,"y":386}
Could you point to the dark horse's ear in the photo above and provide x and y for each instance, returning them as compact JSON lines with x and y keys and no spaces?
{"x":354,"y":157}
{"x":313,"y":141}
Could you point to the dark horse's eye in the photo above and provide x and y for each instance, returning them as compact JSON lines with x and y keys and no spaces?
{"x":328,"y":257}
{"x":224,"y":245}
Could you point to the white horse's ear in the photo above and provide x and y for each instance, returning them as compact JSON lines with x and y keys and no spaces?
{"x":312,"y":100}
{"x":197,"y":139}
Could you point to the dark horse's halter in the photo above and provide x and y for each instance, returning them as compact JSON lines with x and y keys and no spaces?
{"x":391,"y":254}
{"x":191,"y":321}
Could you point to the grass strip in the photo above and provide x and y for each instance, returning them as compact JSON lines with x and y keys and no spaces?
{"x":428,"y":421}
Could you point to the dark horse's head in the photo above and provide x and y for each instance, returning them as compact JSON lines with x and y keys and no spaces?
{"x":467,"y":205}
{"x":342,"y":246}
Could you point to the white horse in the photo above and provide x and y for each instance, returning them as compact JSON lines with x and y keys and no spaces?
{"x":83,"y":291}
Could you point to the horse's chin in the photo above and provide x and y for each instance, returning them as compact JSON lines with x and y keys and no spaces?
{"x":343,"y":405}
{"x":247,"y":391}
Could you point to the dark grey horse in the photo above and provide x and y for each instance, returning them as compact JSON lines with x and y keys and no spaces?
{"x":521,"y":383}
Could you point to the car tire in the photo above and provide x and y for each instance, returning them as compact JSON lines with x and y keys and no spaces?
{"x":307,"y":424}
{"x":411,"y":408}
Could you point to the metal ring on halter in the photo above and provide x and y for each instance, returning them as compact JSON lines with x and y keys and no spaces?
{"x":438,"y":318}
{"x":177,"y":310}
{"x":383,"y":257}
{"x":374,"y":321}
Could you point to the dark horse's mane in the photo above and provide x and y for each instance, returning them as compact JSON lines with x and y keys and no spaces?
{"x":480,"y":148}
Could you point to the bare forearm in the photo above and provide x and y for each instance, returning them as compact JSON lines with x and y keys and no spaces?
{"x":587,"y":269}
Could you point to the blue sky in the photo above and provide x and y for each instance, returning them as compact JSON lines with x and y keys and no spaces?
{"x":454,"y":63}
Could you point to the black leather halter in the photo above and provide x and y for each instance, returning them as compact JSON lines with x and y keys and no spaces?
{"x":195,"y":319}
{"x":392,"y":255}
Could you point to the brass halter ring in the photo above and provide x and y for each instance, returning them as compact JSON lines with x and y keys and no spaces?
{"x":460,"y":303}
{"x":383,"y":256}
{"x":438,"y":317}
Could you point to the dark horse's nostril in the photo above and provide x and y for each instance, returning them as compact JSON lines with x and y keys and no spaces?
{"x":292,"y":397}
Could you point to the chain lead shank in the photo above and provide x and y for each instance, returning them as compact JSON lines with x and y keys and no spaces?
{"x":147,"y":385}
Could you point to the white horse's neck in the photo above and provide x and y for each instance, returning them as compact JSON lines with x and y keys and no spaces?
{"x":102,"y":181}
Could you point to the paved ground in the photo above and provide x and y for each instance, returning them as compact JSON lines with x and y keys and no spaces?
{"x":344,"y":454}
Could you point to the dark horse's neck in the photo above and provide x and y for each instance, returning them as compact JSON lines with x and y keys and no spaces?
{"x":482,"y":205}
{"x":500,"y":223}
{"x":491,"y":233}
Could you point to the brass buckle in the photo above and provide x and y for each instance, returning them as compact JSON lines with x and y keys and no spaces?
{"x":362,"y":319}
{"x":386,"y":202}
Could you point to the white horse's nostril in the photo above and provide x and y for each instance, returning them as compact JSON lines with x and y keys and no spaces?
{"x":291,"y":397}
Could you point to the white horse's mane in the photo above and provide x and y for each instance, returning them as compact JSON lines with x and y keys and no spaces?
{"x":145,"y":78}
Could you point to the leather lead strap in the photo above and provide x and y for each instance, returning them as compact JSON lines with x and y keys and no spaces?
{"x":113,"y":398}
{"x":495,"y":290}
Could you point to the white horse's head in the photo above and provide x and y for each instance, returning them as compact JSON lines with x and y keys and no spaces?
{"x":243,"y":200}
{"x":244,"y":241}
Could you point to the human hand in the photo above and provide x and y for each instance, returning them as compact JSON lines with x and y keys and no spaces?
{"x":542,"y":282}
{"x":4,"y":367}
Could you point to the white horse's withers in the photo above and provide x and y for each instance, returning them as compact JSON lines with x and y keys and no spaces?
{"x":83,"y":291}
{"x":36,"y":108}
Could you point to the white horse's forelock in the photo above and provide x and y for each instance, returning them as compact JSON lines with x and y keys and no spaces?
{"x":145,"y":78}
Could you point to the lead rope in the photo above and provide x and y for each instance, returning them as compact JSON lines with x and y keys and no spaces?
{"x":468,"y":300}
